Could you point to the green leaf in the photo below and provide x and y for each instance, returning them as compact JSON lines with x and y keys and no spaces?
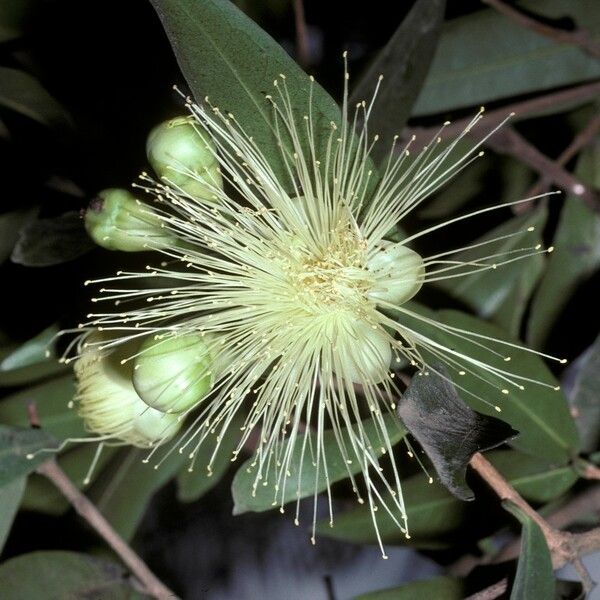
{"x":538,"y":412}
{"x":584,"y":396}
{"x":10,"y":499}
{"x":227,"y":57}
{"x":447,"y":429}
{"x":487,"y":291}
{"x":59,"y":575}
{"x":42,"y":496}
{"x":51,"y":399}
{"x":302,"y":473}
{"x":15,"y":446}
{"x":438,"y":588}
{"x":484,"y":56}
{"x":31,"y":352}
{"x":433,"y":513}
{"x":576,"y":256}
{"x":535,"y":577}
{"x":13,"y":16}
{"x":193,"y":485}
{"x":403,"y":62}
{"x":23,"y":93}
{"x":127,"y":484}
{"x":52,"y":241}
{"x":10,"y":225}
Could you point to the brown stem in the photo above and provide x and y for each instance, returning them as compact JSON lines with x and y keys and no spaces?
{"x":92,"y":515}
{"x":302,"y":48}
{"x":580,"y":141}
{"x":491,"y":593}
{"x":590,"y":472}
{"x":564,"y":547}
{"x":522,"y":109}
{"x":508,"y":141}
{"x":579,"y":37}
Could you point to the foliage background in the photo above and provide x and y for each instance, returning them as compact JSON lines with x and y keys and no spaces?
{"x":81,"y":84}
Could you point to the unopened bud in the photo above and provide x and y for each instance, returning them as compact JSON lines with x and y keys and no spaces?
{"x":109,"y":405}
{"x":398,"y":272}
{"x":180,"y":152}
{"x":116,"y":220}
{"x":172,"y":374}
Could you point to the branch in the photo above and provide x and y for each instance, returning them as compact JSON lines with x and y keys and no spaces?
{"x":92,"y":515}
{"x":302,"y":48}
{"x":52,"y":471}
{"x":579,"y":142}
{"x":565,"y":547}
{"x":579,"y":37}
{"x":508,"y":141}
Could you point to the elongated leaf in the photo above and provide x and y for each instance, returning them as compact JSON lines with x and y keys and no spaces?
{"x":438,"y":588}
{"x":10,"y":498}
{"x":16,"y":445}
{"x":123,"y":491}
{"x":23,"y":93}
{"x":538,"y":412}
{"x":584,"y":395}
{"x":403,"y":62}
{"x":434,"y":513}
{"x":12,"y":16}
{"x":31,"y":352}
{"x":51,"y":241}
{"x":487,"y":291}
{"x":60,"y":575}
{"x":227,"y":57}
{"x":534,"y":578}
{"x":192,"y":485}
{"x":576,"y":255}
{"x":302,"y":474}
{"x":449,"y":430}
{"x":484,"y":57}
{"x":42,"y":496}
{"x":10,"y":224}
{"x":51,"y":399}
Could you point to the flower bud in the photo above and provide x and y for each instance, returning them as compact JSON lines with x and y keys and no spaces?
{"x":172,"y":374}
{"x":116,"y":220}
{"x":365,"y":355}
{"x":110,"y":406}
{"x":183,"y":154}
{"x":399,"y":273}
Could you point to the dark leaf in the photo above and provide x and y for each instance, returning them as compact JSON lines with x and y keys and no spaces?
{"x":539,"y":412}
{"x":438,"y":588}
{"x":10,"y":498}
{"x":449,"y":430}
{"x":404,"y":63}
{"x":575,"y":258}
{"x":535,"y":577}
{"x":583,"y":383}
{"x":58,"y":575}
{"x":227,"y":57}
{"x":434,"y":514}
{"x":32,"y":351}
{"x":23,"y":93}
{"x":247,"y":496}
{"x":16,"y":445}
{"x":10,"y":225}
{"x":52,"y":241}
{"x":484,"y":57}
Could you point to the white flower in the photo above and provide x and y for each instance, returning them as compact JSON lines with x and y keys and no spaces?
{"x":297,"y":289}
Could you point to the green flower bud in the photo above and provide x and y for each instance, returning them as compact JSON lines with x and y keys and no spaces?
{"x":365,"y":356}
{"x":179,"y":151}
{"x":118,"y":221}
{"x":399,"y":273}
{"x":172,"y":374}
{"x":110,"y":406}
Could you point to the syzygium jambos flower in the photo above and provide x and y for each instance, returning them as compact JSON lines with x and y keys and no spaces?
{"x":300,"y":289}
